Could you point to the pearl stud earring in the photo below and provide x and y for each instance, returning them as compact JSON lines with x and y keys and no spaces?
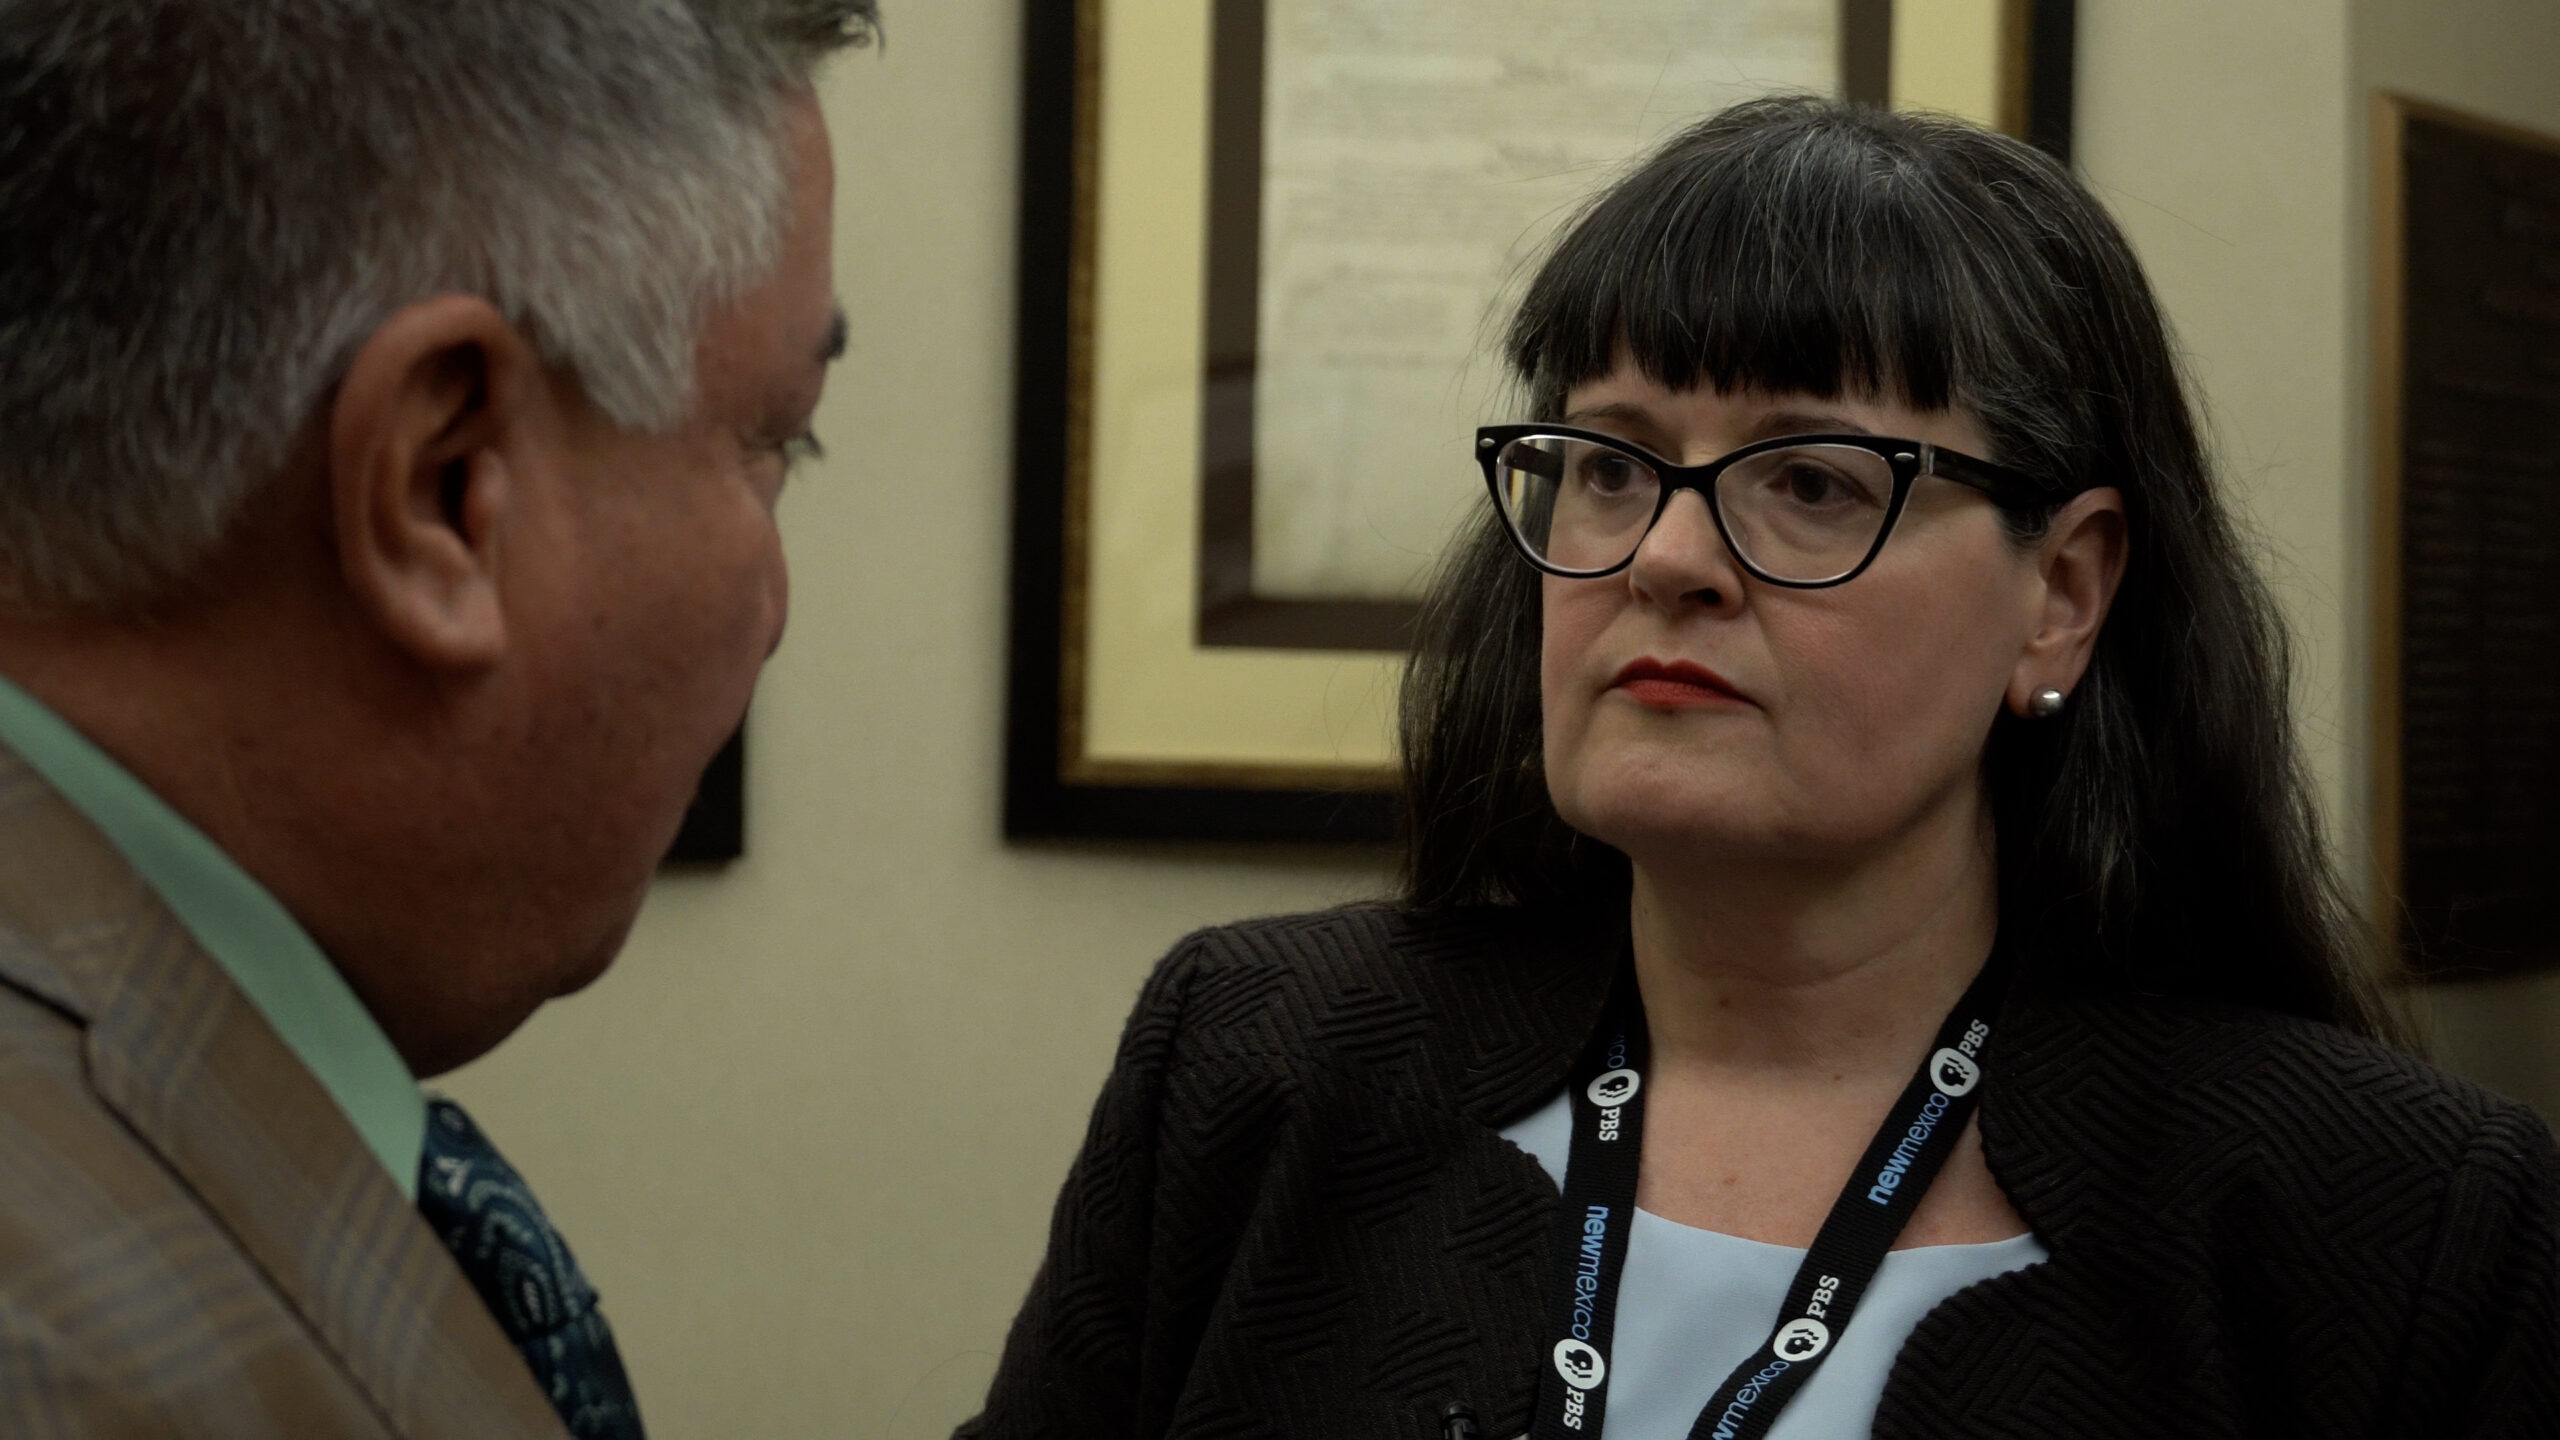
{"x":2044,"y":704}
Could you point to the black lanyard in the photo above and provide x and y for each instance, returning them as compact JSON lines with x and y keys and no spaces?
{"x":1607,"y":1090}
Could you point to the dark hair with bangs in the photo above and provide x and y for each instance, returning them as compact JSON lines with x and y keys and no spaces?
{"x":2160,"y":834}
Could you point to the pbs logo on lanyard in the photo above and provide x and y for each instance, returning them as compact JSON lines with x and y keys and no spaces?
{"x":1614,"y":1088}
{"x":1800,"y":1340}
{"x":1580,"y":1364}
{"x":1954,"y":1072}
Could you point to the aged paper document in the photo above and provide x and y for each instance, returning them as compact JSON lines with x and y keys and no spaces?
{"x":1416,"y":155}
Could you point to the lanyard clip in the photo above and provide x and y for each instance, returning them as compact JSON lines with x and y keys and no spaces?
{"x":1458,"y":1422}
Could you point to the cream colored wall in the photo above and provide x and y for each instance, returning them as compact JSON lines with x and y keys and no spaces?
{"x":805,"y":1135}
{"x":2216,"y":134}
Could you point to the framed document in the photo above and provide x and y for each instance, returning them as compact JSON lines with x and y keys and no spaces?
{"x":1265,"y":246}
{"x":2466,"y":726}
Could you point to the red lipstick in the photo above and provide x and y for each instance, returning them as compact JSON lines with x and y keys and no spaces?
{"x":1675,"y":685}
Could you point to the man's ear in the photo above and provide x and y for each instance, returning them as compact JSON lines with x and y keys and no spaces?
{"x":2079,"y":563}
{"x":438,"y":405}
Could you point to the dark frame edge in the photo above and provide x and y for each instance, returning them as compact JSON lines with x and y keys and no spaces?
{"x":1034,"y":663}
{"x":714,"y":829}
{"x":2053,"y":75}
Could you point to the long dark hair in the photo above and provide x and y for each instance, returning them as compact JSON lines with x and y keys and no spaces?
{"x":2159,"y":835}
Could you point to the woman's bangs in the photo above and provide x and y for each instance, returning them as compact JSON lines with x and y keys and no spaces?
{"x":1793,"y":263}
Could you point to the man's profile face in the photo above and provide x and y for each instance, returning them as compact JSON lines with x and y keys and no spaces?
{"x":663,"y":589}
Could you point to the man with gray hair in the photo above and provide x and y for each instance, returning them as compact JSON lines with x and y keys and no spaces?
{"x":394,"y":399}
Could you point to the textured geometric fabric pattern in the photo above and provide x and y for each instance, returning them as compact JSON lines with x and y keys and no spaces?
{"x":1293,"y":1215}
{"x":482,"y":1210}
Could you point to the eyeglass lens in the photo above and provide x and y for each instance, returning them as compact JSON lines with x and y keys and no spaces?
{"x":1803,"y":513}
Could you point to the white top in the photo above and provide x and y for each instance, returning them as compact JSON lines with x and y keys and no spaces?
{"x":1693,"y":1304}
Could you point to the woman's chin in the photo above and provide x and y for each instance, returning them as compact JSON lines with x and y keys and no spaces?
{"x":1646,"y":819}
{"x":1669,"y":825}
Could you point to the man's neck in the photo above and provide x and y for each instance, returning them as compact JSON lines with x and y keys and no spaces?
{"x":187,"y":713}
{"x":1841,"y":969}
{"x":137,"y":691}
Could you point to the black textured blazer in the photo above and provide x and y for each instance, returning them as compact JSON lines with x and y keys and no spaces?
{"x":1294,"y":1216}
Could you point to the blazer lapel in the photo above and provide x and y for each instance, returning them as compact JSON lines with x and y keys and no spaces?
{"x":1519,"y":995}
{"x":181,"y":1055}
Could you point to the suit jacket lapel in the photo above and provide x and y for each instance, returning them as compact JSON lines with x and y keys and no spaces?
{"x":181,"y":1055}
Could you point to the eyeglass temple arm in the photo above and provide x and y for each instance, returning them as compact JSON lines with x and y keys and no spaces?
{"x":1543,"y":463}
{"x":2001,"y":483}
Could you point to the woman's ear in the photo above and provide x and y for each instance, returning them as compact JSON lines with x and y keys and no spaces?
{"x":434,"y":411}
{"x":2079,"y":564}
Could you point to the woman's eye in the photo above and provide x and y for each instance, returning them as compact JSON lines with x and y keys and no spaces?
{"x":1608,"y":474}
{"x":1810,"y":484}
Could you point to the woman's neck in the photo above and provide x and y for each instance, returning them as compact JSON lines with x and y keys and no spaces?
{"x":1770,"y":970}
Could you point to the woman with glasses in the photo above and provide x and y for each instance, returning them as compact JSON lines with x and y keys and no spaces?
{"x":1867,"y":961}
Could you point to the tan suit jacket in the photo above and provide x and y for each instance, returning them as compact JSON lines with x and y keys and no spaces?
{"x":193,"y":1239}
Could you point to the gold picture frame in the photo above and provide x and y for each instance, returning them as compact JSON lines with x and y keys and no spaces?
{"x":1153,"y":694}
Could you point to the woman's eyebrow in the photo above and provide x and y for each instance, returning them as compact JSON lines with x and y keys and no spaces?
{"x":1624,"y":412}
{"x":1805,"y":422}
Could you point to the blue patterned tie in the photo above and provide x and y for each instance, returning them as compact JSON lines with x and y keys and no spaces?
{"x":481,"y":1209}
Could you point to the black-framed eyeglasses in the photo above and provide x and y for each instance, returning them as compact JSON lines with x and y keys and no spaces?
{"x":1802,"y":511}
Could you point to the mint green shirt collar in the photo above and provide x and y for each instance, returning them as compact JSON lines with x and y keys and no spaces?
{"x":247,"y":931}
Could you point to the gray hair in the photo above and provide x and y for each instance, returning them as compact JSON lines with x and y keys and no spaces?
{"x":207,"y":206}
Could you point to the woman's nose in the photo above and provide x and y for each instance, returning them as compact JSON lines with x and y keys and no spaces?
{"x":1684,"y":560}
